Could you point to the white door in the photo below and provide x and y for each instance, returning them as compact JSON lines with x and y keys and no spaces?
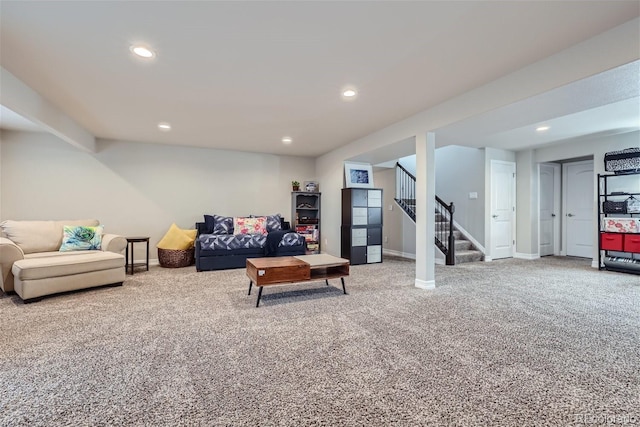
{"x":549,"y":209}
{"x":503,"y":197}
{"x":578,"y":208}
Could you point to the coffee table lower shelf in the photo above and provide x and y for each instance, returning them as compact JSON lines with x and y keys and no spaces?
{"x":296,"y":269}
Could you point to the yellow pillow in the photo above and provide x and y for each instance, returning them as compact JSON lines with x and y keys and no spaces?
{"x":177,"y":238}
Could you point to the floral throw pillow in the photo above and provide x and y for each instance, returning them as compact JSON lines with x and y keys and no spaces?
{"x":81,"y":238}
{"x":243,"y":225}
{"x":621,"y":225}
{"x":273,"y":222}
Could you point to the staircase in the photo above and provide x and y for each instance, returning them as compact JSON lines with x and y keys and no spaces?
{"x":455,"y":246}
{"x":464,"y":249}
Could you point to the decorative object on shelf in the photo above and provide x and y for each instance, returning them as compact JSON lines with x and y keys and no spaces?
{"x":633,"y":205}
{"x":625,"y":161}
{"x":611,"y":206}
{"x":295,"y":185}
{"x":305,"y":213}
{"x":358,"y":175}
{"x":311,"y":186}
{"x":620,"y":225}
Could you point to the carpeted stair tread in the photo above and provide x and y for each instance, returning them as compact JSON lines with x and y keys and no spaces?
{"x":463,"y":245}
{"x":468,"y":256}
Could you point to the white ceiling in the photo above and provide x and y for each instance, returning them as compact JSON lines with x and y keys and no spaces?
{"x":606,"y":103}
{"x":241,"y":75}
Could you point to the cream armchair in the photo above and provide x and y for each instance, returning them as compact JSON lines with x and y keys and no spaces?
{"x":32,"y":266}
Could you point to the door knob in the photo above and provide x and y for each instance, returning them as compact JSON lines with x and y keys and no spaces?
{"x":494,"y":216}
{"x":570,"y":215}
{"x":553,"y":215}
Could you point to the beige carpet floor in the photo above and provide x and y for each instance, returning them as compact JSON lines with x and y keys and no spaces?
{"x":506,"y":343}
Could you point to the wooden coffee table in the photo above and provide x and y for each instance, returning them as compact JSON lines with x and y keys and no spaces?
{"x":294,"y":269}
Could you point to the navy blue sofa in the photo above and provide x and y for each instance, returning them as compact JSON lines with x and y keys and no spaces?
{"x":225,"y":251}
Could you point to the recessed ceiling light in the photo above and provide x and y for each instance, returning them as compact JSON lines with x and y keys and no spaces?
{"x":142,"y":51}
{"x":542,"y":128}
{"x":349,"y":93}
{"x":287,"y":140}
{"x":164,"y":126}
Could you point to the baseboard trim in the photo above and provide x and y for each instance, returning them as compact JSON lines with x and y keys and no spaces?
{"x":522,"y":255}
{"x":398,"y":253}
{"x":425,"y":284}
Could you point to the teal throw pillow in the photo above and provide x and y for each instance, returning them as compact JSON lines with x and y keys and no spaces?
{"x":81,"y":238}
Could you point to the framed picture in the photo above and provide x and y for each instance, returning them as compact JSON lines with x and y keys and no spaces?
{"x":358,"y":175}
{"x":311,"y":186}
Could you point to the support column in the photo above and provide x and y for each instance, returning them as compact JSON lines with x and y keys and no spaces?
{"x":527,"y":206}
{"x":425,"y":210}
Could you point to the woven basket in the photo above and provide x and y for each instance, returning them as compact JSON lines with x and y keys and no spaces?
{"x":176,"y":258}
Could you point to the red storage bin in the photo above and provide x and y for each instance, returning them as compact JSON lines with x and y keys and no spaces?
{"x":632,"y":243}
{"x":611,"y":241}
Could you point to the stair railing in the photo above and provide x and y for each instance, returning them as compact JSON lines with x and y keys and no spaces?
{"x":406,"y":191}
{"x":406,"y":199}
{"x":445,"y":239}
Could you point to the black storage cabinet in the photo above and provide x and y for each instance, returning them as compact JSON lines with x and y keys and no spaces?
{"x":361,"y":230}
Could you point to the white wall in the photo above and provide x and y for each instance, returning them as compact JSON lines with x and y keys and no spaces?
{"x":391,"y":219}
{"x":527,"y":175}
{"x":588,"y":146}
{"x":1,"y":185}
{"x":409,"y":163}
{"x":460,"y":171}
{"x":398,"y":229}
{"x":527,"y":205}
{"x":140,"y":189}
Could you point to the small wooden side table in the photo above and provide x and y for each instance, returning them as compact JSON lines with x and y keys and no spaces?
{"x":131,"y":264}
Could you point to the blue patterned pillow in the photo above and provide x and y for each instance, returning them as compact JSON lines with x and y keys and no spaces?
{"x":81,"y":238}
{"x":208,"y":224}
{"x":216,"y":224}
{"x":274,"y":222}
{"x":222,"y":224}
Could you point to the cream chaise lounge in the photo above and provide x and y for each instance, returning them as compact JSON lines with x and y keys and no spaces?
{"x":32,"y":265}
